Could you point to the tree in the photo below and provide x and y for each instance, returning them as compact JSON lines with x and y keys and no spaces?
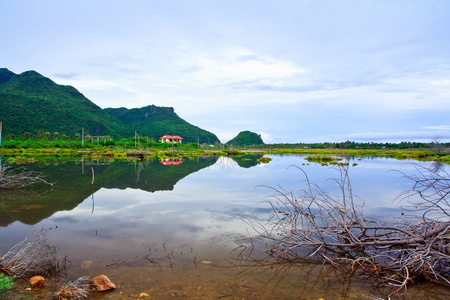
{"x":40,"y":135}
{"x":438,"y":147}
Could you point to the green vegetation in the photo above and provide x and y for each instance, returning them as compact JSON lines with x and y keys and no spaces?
{"x":246,"y":138}
{"x":43,"y":145}
{"x":421,"y":155}
{"x":323,"y":159}
{"x":32,"y":102}
{"x":35,"y":105}
{"x":6,"y":282}
{"x":264,"y":160}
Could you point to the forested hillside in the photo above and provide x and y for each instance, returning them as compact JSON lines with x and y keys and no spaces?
{"x":246,"y":138}
{"x":154,"y":122}
{"x":32,"y":103}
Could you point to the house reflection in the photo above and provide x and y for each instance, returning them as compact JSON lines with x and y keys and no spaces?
{"x":172,"y":161}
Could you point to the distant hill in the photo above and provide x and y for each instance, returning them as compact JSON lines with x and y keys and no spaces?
{"x":31,"y":102}
{"x":246,"y":138}
{"x":154,"y":122}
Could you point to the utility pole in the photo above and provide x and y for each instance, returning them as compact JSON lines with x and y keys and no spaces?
{"x":82,"y":137}
{"x":135,"y":134}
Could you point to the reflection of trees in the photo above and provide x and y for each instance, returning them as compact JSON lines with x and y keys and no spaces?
{"x":73,"y":184}
{"x":247,"y":160}
{"x":437,"y":166}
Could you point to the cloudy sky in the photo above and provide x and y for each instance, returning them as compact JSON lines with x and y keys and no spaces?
{"x":294,"y":71}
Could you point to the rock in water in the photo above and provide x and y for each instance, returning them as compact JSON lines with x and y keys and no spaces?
{"x":102,"y":283}
{"x":86,"y":264}
{"x":37,"y":281}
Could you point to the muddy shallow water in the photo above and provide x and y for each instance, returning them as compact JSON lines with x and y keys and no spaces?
{"x":163,"y":230}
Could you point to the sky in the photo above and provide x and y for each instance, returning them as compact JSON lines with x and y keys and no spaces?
{"x":292,"y":71}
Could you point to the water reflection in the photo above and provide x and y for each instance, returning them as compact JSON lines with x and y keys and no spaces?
{"x":73,"y":184}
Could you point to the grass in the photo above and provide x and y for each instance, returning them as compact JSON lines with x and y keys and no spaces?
{"x":123,"y":147}
{"x":6,"y":282}
{"x":264,"y":160}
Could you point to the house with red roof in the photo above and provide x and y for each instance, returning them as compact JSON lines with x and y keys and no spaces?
{"x":171,"y":161}
{"x":176,"y":139}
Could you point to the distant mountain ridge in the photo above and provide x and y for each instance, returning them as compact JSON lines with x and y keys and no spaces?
{"x":31,"y":102}
{"x":156,"y":121}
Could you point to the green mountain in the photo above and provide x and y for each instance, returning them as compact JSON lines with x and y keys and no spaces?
{"x":154,"y":122}
{"x":32,"y":102}
{"x":246,"y":138}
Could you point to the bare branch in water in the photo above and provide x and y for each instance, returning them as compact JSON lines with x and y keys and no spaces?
{"x":33,"y":256}
{"x":319,"y":228}
{"x":77,"y":289}
{"x":18,"y":178}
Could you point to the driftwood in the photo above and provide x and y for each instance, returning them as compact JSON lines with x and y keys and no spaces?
{"x":18,"y":178}
{"x":318,"y":228}
{"x":78,"y":289}
{"x":33,"y":256}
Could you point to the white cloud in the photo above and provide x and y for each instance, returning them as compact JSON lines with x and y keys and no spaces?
{"x":267,"y":138}
{"x":235,"y":66}
{"x":439,"y":127}
{"x":394,"y":137}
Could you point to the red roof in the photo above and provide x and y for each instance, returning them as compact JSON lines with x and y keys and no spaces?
{"x":171,"y":137}
{"x":168,"y":163}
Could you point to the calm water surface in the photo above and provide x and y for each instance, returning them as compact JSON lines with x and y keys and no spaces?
{"x":179,"y":216}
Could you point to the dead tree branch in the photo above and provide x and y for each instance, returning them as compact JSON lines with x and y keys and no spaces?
{"x":32,"y":256}
{"x":19,"y":177}
{"x":78,"y":289}
{"x":319,"y":228}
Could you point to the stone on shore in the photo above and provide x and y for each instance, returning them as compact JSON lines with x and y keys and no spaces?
{"x":37,"y":281}
{"x":102,"y":283}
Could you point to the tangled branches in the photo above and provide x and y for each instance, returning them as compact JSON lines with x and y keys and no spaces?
{"x":78,"y":289}
{"x":432,"y":185}
{"x":19,"y":177}
{"x":319,"y":228}
{"x":32,"y":256}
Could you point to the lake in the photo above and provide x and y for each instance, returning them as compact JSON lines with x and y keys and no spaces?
{"x":164,"y":228}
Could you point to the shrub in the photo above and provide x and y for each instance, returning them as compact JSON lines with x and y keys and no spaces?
{"x":6,"y":282}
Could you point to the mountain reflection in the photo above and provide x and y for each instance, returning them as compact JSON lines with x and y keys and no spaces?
{"x":74,"y":181}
